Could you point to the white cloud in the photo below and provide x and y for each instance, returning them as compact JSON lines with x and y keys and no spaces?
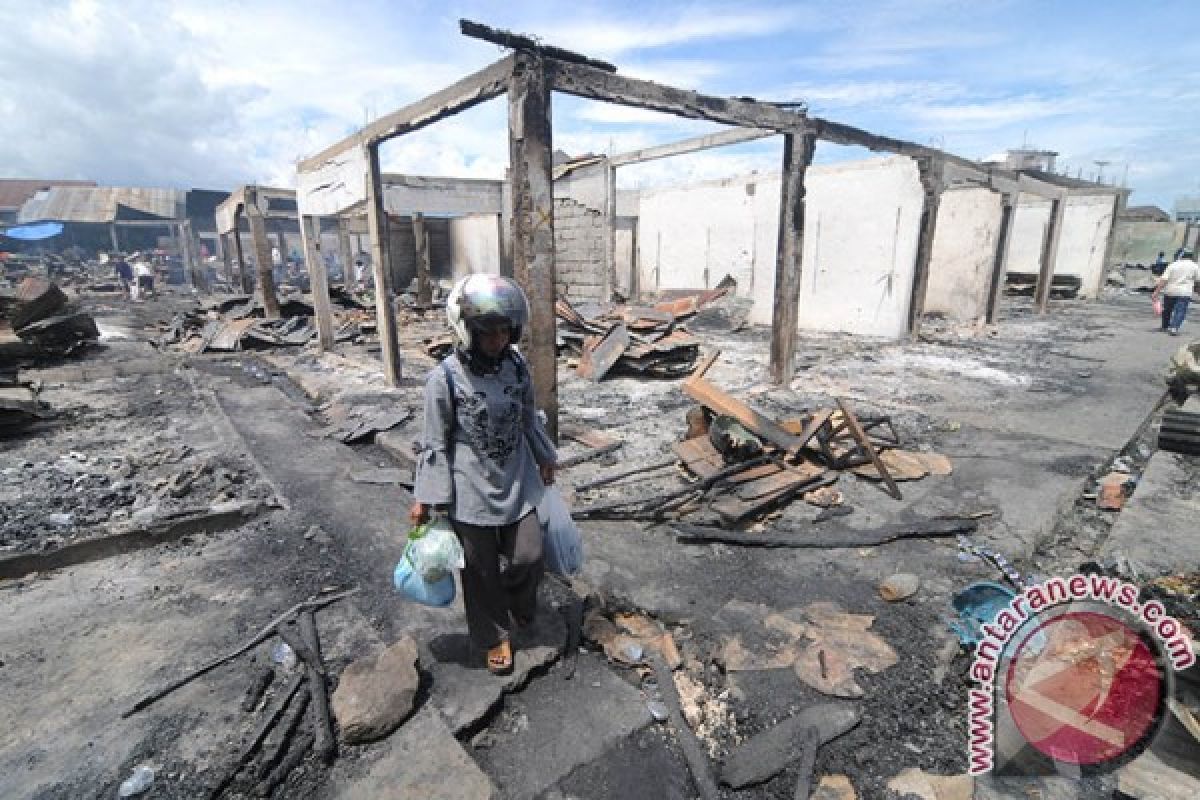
{"x":660,"y":26}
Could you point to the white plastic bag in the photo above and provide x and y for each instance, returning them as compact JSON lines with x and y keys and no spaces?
{"x":562,"y":544}
{"x":434,"y":550}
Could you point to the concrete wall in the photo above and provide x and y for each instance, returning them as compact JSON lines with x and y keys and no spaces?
{"x":690,"y":237}
{"x":1140,"y":241}
{"x":860,"y":245}
{"x":964,"y":253}
{"x":475,"y":244}
{"x":860,"y":242}
{"x":1084,"y":237}
{"x":1030,"y":219}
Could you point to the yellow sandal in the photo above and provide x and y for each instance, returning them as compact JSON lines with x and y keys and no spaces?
{"x":500,"y":659}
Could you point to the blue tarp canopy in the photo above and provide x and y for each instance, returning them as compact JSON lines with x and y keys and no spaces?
{"x":35,"y":232}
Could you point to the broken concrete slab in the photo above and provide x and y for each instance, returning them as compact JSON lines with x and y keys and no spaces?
{"x":569,"y":724}
{"x":375,"y":693}
{"x":422,"y":760}
{"x":762,"y":757}
{"x":1156,"y":531}
{"x":464,"y":691}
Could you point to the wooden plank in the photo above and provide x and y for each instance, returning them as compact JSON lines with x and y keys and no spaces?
{"x":930,"y":171}
{"x":805,"y":433}
{"x":262,"y":257}
{"x":600,"y":356}
{"x":533,"y":223}
{"x":692,"y":145}
{"x":734,"y":510}
{"x":705,"y":364}
{"x":1000,"y":264}
{"x":478,"y":87}
{"x":595,"y":84}
{"x":797,"y":155}
{"x":1041,"y":294}
{"x":699,"y":456}
{"x":868,"y":448}
{"x":385,"y":311}
{"x":310,"y":239}
{"x":713,"y":398}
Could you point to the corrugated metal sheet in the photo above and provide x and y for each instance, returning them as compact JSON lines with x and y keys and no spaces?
{"x":13,"y":193}
{"x":100,"y":204}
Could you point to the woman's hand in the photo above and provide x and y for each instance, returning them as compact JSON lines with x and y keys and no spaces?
{"x":547,"y":471}
{"x":418,"y":514}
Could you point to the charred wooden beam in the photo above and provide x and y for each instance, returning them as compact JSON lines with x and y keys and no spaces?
{"x":930,"y":170}
{"x":797,"y":155}
{"x":693,"y":145}
{"x":517,"y":41}
{"x":693,"y":752}
{"x":421,"y":245}
{"x":531,"y":185}
{"x":385,"y":311}
{"x":829,"y":537}
{"x":326,"y":742}
{"x":1041,"y":295}
{"x":479,"y":87}
{"x":595,"y":84}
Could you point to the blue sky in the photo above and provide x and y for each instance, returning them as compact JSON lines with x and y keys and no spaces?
{"x":213,"y":94}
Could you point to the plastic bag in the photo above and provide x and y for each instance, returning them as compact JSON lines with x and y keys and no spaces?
{"x":1157,"y":305}
{"x":562,"y":545}
{"x":434,"y":550}
{"x":437,"y":594}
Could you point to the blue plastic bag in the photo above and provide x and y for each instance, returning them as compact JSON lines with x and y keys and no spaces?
{"x":562,"y":545}
{"x":437,"y":594}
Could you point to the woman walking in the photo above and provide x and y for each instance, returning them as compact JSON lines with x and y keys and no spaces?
{"x":485,"y":460}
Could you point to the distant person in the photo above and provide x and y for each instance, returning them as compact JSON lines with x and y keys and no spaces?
{"x":124,"y":273}
{"x":1176,"y":285}
{"x":1160,"y":264}
{"x":145,"y":278}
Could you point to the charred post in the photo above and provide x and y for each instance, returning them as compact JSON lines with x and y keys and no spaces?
{"x":533,"y":221}
{"x":797,"y":155}
{"x":1041,"y":295}
{"x":930,"y":170}
{"x":318,"y":278}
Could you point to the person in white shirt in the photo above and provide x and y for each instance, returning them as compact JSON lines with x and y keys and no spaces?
{"x":1175,"y":286}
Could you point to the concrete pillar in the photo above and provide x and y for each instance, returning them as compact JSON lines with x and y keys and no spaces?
{"x":1041,"y":294}
{"x":1000,"y":264}
{"x":421,"y":246}
{"x":310,"y":238}
{"x":262,"y":257}
{"x":385,"y":310}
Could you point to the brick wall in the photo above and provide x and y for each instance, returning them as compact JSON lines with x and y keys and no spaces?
{"x":404,"y":254}
{"x":579,"y":251}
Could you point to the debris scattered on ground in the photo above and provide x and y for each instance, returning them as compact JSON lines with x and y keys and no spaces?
{"x":766,"y":754}
{"x":900,"y":586}
{"x":376,"y":693}
{"x":933,"y":787}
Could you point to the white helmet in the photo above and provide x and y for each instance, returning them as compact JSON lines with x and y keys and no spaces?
{"x":481,"y":298}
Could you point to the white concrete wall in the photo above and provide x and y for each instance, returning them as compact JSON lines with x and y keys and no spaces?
{"x":860,"y":244}
{"x":475,"y":244}
{"x":860,"y":241}
{"x":1030,"y":220}
{"x":964,"y":253}
{"x":1087,"y":220}
{"x":690,"y":237}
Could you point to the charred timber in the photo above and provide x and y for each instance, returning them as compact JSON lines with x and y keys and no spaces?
{"x":517,"y":41}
